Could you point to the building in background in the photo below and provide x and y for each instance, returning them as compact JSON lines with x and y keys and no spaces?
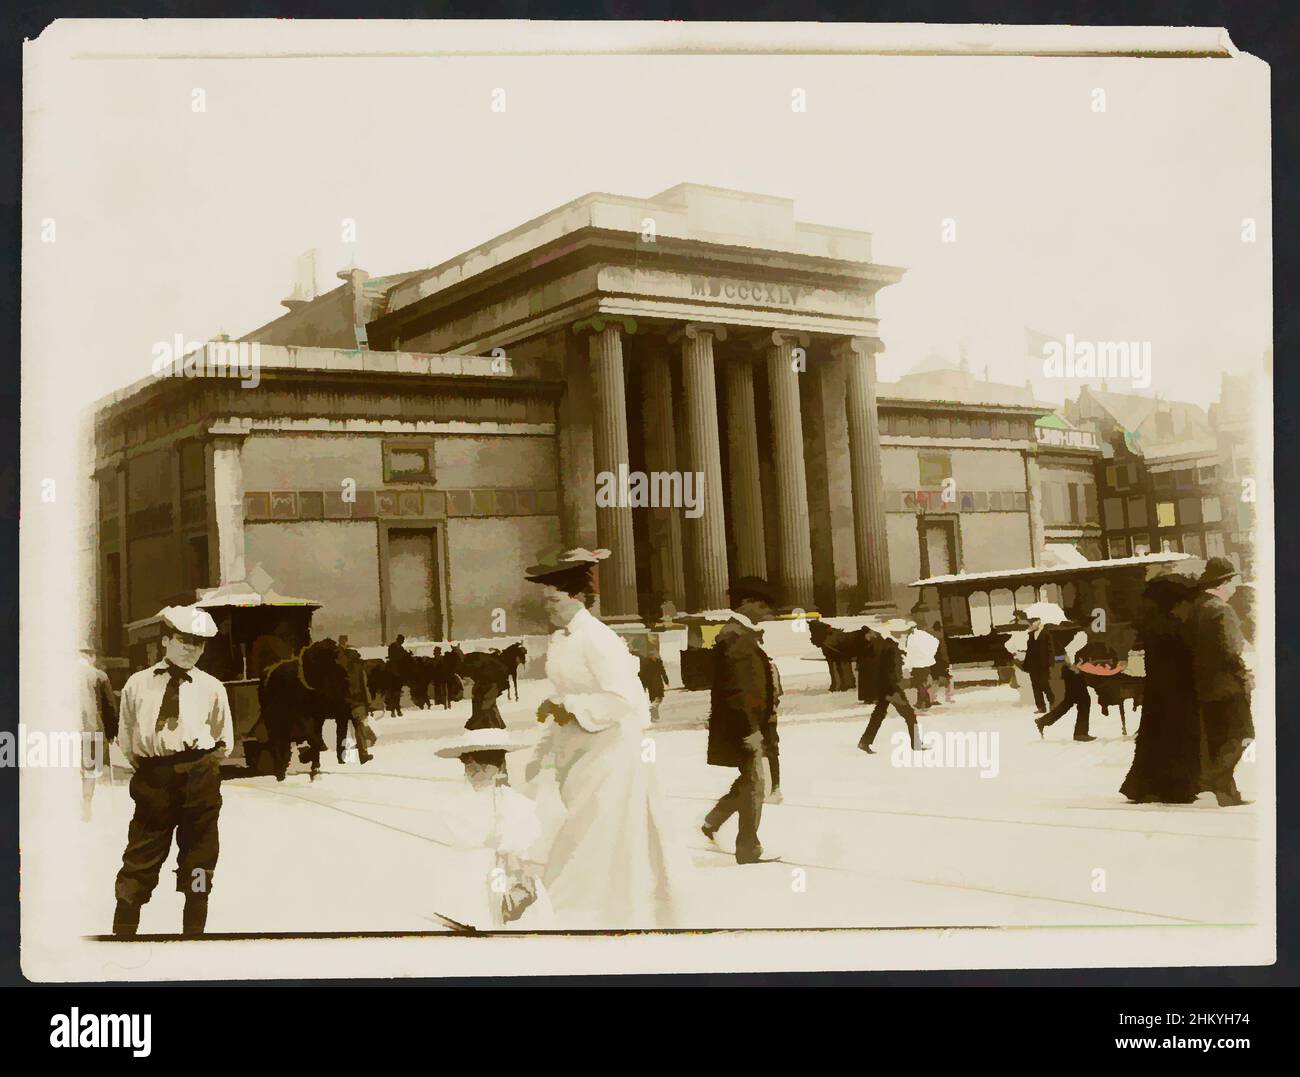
{"x":960,"y":467}
{"x":416,"y":440}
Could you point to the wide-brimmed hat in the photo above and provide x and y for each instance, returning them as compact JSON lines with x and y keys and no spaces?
{"x":895,"y":625}
{"x":1217,"y":570}
{"x":752,"y":587}
{"x":480,"y":740}
{"x":561,"y":562}
{"x":189,"y":620}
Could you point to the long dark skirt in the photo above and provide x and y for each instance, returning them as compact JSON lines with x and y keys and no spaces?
{"x":1167,"y":753}
{"x":485,"y":714}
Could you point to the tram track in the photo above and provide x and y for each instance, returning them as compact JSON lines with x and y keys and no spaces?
{"x":834,"y":868}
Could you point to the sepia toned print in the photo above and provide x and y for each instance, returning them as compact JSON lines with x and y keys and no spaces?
{"x":813,"y":512}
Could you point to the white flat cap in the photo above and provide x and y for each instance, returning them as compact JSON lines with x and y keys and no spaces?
{"x":191,"y":620}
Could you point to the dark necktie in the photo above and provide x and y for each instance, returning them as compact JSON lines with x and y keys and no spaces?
{"x":169,"y":714}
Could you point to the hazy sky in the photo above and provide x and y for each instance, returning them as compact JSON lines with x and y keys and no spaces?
{"x":1120,"y":225}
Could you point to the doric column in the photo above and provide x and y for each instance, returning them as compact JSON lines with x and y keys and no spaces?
{"x":661,"y":455}
{"x":742,"y":480}
{"x":1037,"y":536}
{"x":870,"y":544}
{"x":609,"y":445}
{"x":795,"y":554}
{"x":225,"y":476}
{"x":707,"y":534}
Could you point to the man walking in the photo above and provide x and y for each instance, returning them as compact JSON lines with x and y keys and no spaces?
{"x":742,"y":714}
{"x":358,"y":702}
{"x":887,"y":685}
{"x":175,"y":728}
{"x":1076,"y":693}
{"x":1039,"y":658}
{"x":98,"y":725}
{"x":1221,"y":679}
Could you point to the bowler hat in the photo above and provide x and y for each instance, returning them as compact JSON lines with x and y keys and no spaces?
{"x":754,"y":587}
{"x":1217,"y":570}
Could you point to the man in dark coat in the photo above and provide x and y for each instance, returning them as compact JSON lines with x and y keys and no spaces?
{"x":358,"y":703}
{"x":1221,"y":679}
{"x":1040,"y":656}
{"x":742,"y":709}
{"x":1076,"y":688}
{"x":887,"y":687}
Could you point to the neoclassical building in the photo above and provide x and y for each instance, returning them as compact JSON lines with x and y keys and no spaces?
{"x":414,"y":440}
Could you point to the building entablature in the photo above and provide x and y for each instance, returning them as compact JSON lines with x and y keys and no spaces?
{"x":581,"y":267}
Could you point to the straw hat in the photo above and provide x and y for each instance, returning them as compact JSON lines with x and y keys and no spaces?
{"x":480,"y":740}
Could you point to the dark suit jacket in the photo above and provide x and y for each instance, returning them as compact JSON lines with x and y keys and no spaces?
{"x":743,"y":699}
{"x":1040,"y":652}
{"x":890,"y":667}
{"x":1219,"y":672}
{"x":869,"y":650}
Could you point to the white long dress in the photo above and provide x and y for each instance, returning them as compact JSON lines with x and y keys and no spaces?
{"x":609,"y":865}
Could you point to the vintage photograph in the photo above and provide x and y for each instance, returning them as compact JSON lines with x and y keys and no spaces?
{"x":562,"y":497}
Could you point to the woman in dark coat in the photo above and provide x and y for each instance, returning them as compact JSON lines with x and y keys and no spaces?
{"x":490,"y":679}
{"x":1167,"y":754}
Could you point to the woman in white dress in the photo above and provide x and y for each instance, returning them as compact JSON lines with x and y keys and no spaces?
{"x":609,"y":865}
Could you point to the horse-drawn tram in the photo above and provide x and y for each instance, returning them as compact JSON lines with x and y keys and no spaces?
{"x":255,"y":629}
{"x":982,"y":611}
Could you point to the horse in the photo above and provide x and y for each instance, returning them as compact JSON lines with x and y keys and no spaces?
{"x":514,"y":658}
{"x":385,"y":682}
{"x":297,"y":696}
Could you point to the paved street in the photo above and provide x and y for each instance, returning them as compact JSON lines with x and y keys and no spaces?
{"x":864,"y":842}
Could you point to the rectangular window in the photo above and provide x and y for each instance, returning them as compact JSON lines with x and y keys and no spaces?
{"x":1211,"y":510}
{"x":981,"y":428}
{"x":942,"y":426}
{"x":1192,"y":544}
{"x":1117,"y":546}
{"x":1114,"y":510}
{"x":193,"y":476}
{"x":1141,"y":545}
{"x":1076,"y":503}
{"x":407,"y":461}
{"x":1207,"y":473}
{"x":934,"y":469}
{"x":1185,"y":478}
{"x":1001,"y":428}
{"x":1163,"y":480}
{"x":960,"y":427}
{"x":1090,"y":504}
{"x":1189,"y":510}
{"x":1214,"y":544}
{"x":1165,"y":516}
{"x":1137,"y":512}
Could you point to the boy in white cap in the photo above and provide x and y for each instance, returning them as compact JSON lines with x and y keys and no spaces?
{"x":175,"y":728}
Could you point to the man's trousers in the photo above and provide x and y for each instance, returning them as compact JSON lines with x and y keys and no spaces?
{"x":744,"y":798}
{"x":179,"y":793}
{"x":899,"y":702}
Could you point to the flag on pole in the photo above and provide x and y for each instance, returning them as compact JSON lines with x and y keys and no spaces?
{"x":1035,"y":342}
